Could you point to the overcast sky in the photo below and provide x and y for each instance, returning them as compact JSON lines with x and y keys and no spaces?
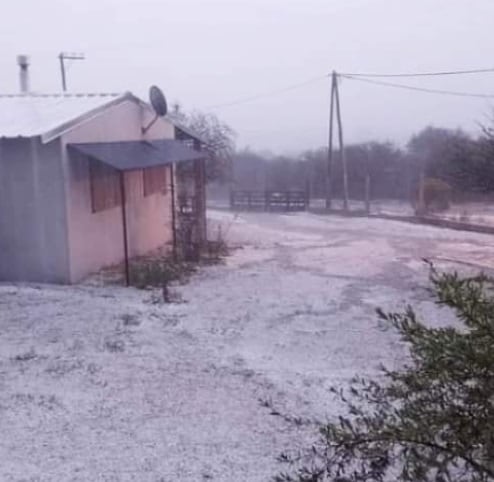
{"x":204,"y":53}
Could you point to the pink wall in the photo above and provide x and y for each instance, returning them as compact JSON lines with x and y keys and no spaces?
{"x":96,"y":239}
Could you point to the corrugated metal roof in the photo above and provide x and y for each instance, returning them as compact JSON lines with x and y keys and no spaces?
{"x":132,"y":155}
{"x":46,"y":115}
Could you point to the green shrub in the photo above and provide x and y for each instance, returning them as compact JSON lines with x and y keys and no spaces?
{"x":158,"y":272}
{"x":433,"y":420}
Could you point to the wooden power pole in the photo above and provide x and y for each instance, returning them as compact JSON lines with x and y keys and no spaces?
{"x":330,"y":143}
{"x":341,"y":145}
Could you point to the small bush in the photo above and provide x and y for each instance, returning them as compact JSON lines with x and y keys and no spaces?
{"x":215,"y":251}
{"x":158,"y":272}
{"x":437,"y":196}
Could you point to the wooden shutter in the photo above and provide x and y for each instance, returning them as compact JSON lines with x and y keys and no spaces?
{"x":105,"y":186}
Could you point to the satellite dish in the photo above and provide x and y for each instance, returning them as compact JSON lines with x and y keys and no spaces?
{"x":158,"y":101}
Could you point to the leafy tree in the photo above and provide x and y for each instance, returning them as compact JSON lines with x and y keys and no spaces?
{"x":463,"y":162}
{"x":433,"y":420}
{"x":438,"y":151}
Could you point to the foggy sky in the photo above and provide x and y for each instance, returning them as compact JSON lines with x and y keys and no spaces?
{"x":203,"y":53}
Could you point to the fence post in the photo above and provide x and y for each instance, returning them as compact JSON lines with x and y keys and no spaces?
{"x":307,"y":195}
{"x":367,"y":193}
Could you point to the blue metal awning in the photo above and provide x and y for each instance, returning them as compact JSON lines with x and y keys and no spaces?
{"x":133,"y":155}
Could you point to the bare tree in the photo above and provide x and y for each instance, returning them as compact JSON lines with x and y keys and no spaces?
{"x":218,"y":140}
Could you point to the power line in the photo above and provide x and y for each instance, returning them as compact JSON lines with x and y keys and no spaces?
{"x":363,"y":77}
{"x":418,"y":89}
{"x":271,"y":93}
{"x":424,"y":74}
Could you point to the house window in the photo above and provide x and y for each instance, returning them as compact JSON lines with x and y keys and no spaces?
{"x":105,"y":186}
{"x":155,"y":179}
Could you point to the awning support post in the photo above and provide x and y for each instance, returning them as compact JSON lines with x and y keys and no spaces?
{"x":124,"y":228}
{"x":174,"y":213}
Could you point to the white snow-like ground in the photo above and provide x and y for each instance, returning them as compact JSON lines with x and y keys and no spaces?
{"x":100,"y":383}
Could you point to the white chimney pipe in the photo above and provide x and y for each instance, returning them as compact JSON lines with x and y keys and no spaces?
{"x":23,"y":61}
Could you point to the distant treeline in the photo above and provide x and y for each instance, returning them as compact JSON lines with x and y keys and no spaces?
{"x":464,"y":162}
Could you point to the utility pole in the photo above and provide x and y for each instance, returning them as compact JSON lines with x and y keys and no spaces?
{"x":63,"y":56}
{"x":342,"y":147}
{"x":330,"y":143}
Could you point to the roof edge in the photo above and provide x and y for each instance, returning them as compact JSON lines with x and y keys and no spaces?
{"x":122,"y":155}
{"x":58,"y":131}
{"x":186,"y":130}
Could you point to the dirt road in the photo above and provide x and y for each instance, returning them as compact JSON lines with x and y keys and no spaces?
{"x":101,"y":383}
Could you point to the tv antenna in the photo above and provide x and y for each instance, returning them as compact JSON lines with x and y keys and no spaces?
{"x":158,"y":102}
{"x":63,"y":56}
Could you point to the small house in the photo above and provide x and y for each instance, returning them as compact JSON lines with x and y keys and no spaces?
{"x":85,"y":184}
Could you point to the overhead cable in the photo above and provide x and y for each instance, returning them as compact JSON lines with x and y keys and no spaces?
{"x":423,"y":74}
{"x":271,"y":93}
{"x":419,"y":89}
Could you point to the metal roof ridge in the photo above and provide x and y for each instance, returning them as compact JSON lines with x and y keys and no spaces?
{"x":64,"y":94}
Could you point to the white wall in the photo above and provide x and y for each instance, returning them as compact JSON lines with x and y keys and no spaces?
{"x":96,"y":239}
